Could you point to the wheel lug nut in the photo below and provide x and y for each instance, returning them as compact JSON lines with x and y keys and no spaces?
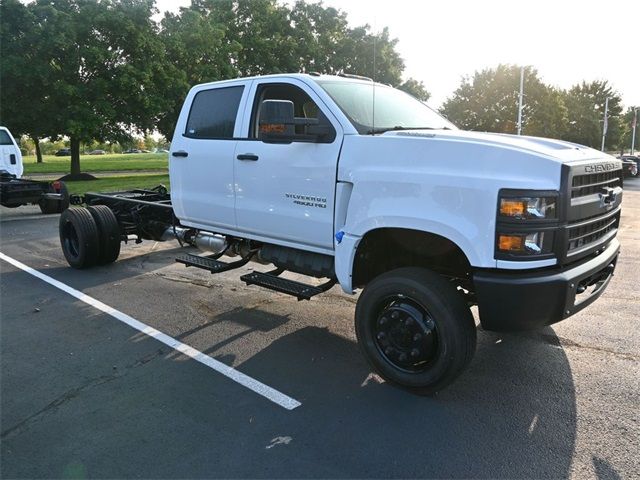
{"x":417,"y":337}
{"x":382,"y":321}
{"x":408,"y":322}
{"x":402,"y":357}
{"x":395,"y":315}
{"x":415,"y":352}
{"x":381,"y":336}
{"x":388,"y":351}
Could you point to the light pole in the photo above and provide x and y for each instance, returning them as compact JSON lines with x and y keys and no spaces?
{"x":520,"y":100}
{"x":605,"y":124}
{"x":633,"y":130}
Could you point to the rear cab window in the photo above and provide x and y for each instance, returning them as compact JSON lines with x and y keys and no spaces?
{"x":213,"y":113}
{"x":5,"y":138}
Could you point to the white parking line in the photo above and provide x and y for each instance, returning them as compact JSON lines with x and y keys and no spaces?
{"x":246,"y":381}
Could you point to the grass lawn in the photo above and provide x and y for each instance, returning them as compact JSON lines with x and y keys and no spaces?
{"x":97,"y":163}
{"x":115,"y":184}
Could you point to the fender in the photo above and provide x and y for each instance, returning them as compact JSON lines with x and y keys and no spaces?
{"x":346,"y":248}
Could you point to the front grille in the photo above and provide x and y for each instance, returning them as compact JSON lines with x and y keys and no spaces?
{"x":592,"y":213}
{"x":591,"y":183}
{"x":587,"y":233}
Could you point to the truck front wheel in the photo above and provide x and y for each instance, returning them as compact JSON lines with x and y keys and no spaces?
{"x":415,"y":329}
{"x":79,"y":237}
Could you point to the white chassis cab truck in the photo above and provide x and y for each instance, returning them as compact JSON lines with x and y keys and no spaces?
{"x":52,"y":197}
{"x":342,"y":179}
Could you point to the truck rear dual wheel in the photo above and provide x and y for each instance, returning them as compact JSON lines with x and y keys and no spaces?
{"x":89,"y":236}
{"x":108,"y":233}
{"x":415,"y":329}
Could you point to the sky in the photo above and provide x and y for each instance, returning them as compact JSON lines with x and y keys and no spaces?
{"x":567,"y":41}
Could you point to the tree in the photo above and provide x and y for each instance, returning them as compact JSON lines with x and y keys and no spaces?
{"x":104,"y":69}
{"x":586,"y":103}
{"x":627,"y":129}
{"x":198,"y":51}
{"x":23,"y":75}
{"x":415,"y":88}
{"x":362,"y":50}
{"x":489,"y":102}
{"x":219,"y":39}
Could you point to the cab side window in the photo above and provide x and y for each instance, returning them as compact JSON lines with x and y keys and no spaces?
{"x":213,"y":113}
{"x":303,"y":107}
{"x":5,"y":139}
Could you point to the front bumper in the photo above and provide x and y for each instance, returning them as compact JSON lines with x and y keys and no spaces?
{"x":510,"y":301}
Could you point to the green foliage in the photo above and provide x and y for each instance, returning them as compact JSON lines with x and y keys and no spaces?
{"x":585,"y":103}
{"x":489,"y":102}
{"x":24,"y":73}
{"x":415,"y":88}
{"x":627,"y":130}
{"x":95,"y":69}
{"x":372,"y":55}
{"x":220,"y":39}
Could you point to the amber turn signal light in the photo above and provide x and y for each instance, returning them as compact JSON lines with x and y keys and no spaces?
{"x":512,"y":208}
{"x":511,"y":243}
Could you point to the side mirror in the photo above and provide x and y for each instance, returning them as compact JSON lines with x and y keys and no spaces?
{"x":277,"y":124}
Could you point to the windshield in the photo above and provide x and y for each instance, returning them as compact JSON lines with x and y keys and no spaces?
{"x":394,"y":109}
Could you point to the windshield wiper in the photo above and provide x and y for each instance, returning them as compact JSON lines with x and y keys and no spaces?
{"x":375,"y":131}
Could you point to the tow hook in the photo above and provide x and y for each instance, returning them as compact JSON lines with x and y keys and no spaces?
{"x":598,"y":277}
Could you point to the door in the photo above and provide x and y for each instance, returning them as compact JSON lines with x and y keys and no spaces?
{"x":285,"y":191}
{"x":201,"y":160}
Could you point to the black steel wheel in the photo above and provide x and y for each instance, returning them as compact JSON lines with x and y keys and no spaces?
{"x":415,"y":329}
{"x":108,"y":233}
{"x":79,"y":237}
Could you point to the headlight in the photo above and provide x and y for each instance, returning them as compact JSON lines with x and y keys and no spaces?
{"x":523,"y":208}
{"x":526,"y":223}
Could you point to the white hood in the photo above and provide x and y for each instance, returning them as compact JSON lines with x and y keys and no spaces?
{"x":553,"y":149}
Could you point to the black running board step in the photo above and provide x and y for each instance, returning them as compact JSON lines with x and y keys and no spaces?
{"x":211,"y":264}
{"x":299,"y":290}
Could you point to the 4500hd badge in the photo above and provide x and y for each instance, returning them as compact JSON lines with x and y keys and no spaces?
{"x":307,"y":200}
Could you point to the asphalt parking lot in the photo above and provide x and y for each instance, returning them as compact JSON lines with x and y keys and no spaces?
{"x":86,"y":395}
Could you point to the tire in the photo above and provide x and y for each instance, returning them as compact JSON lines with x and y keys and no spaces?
{"x":79,"y":237}
{"x":55,"y":206}
{"x":415,"y":329}
{"x":108,"y":233}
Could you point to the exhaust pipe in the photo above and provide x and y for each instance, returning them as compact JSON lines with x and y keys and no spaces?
{"x":177,"y":233}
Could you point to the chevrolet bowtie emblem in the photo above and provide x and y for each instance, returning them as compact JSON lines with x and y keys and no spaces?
{"x":608,"y":197}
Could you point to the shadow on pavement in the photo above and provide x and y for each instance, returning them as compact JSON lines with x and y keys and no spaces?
{"x":512,"y":414}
